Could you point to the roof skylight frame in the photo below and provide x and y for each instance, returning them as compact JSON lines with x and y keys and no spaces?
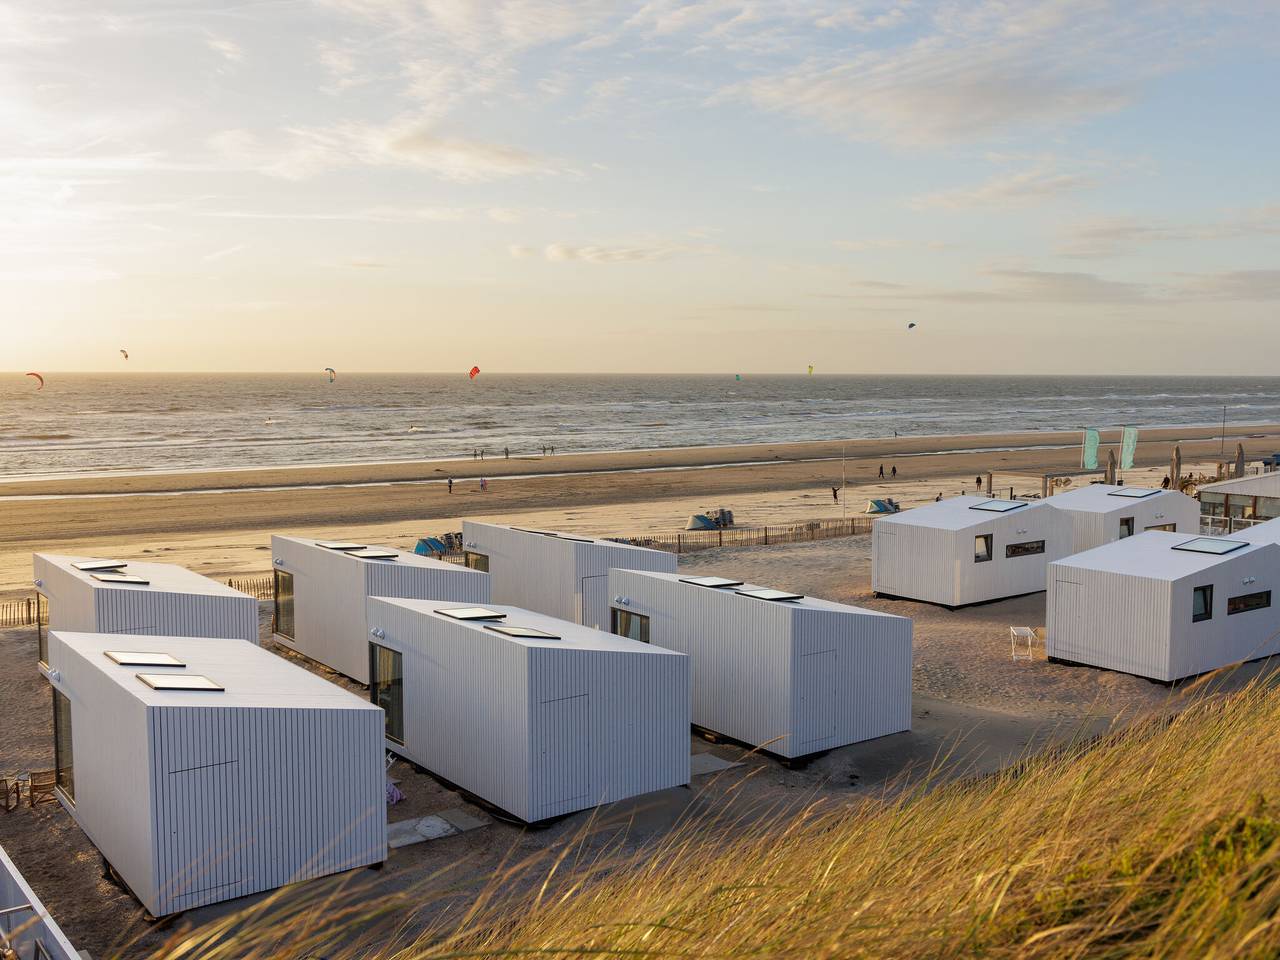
{"x":142,"y":658}
{"x":712,"y":583}
{"x":771,"y":595}
{"x":998,"y":506}
{"x":373,"y":553}
{"x":99,"y":566}
{"x":341,"y":546}
{"x":180,"y":682}
{"x":473,"y":614}
{"x":129,"y":579}
{"x":1205,"y":546}
{"x":1134,"y":493}
{"x":516,"y":632}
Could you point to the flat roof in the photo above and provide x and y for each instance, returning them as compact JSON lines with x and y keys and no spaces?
{"x":572,"y":636}
{"x":251,"y":676}
{"x":404,"y":558}
{"x":1152,"y":555}
{"x":561,"y":537}
{"x":1107,"y":498}
{"x":804,"y":603}
{"x":957,"y":513}
{"x":160,"y":577}
{"x":1261,"y":485}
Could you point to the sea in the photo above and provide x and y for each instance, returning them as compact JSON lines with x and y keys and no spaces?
{"x":83,"y":423}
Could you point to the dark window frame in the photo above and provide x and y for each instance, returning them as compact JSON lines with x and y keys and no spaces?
{"x":42,"y":628}
{"x":1164,"y":527}
{"x":394,"y":685}
{"x":616,"y":618}
{"x":474,"y":560}
{"x":1013,"y":551}
{"x":64,"y":766}
{"x":276,"y":620}
{"x":1207,"y":591}
{"x":989,"y":540}
{"x":1261,"y":598}
{"x":1128,"y":527}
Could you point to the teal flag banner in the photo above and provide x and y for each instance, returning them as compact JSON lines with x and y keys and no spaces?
{"x":1128,"y":447}
{"x":1089,"y":450}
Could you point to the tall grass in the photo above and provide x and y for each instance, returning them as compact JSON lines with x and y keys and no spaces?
{"x":1157,"y":841}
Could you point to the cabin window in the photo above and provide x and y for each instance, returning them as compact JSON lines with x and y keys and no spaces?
{"x":476,"y":561}
{"x":982,"y":548}
{"x":1126,"y":527}
{"x":1166,"y":527}
{"x":1028,"y":549}
{"x":1202,"y":604}
{"x":1249,"y":601}
{"x":627,"y":624}
{"x":42,"y":627}
{"x":282,"y":612}
{"x":63,"y":761}
{"x":386,"y":688}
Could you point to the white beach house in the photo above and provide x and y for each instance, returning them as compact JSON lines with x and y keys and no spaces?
{"x":100,"y":595}
{"x":321,"y":586}
{"x":1167,"y":605}
{"x":1101,"y":513}
{"x":560,"y":574}
{"x":26,"y":929}
{"x":794,"y":675}
{"x":967,"y":550}
{"x":208,"y":769}
{"x":538,"y":717}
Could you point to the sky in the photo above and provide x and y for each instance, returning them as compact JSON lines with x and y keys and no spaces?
{"x":718,"y":185}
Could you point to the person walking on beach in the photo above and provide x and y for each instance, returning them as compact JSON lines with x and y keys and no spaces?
{"x":484,"y":485}
{"x":938,"y":498}
{"x":835,"y":494}
{"x":506,"y":453}
{"x":893,"y":472}
{"x":882,"y":471}
{"x":451,"y":484}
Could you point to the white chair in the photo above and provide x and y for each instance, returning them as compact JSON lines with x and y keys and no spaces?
{"x":1022,"y":642}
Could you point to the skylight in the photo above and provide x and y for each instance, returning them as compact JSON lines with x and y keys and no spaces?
{"x":565,"y":536}
{"x":373,"y":554}
{"x":143,"y":658}
{"x":340,"y":545}
{"x":775,"y":595}
{"x":998,"y":506}
{"x":472,"y":613}
{"x":120,"y":578}
{"x":1212,"y":545}
{"x":522,"y":633}
{"x":1133,"y":493}
{"x":90,"y":565}
{"x":179,"y":681}
{"x":714,"y":582}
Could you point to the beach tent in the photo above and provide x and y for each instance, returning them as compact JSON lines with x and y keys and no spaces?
{"x":967,"y":550}
{"x":537,"y":716}
{"x":207,"y":769}
{"x":1101,"y":513}
{"x":1167,"y":605}
{"x":102,"y":595}
{"x":321,"y":587}
{"x":794,"y":675}
{"x":560,"y":574}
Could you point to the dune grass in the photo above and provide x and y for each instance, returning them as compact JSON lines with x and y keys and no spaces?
{"x":1156,"y":841}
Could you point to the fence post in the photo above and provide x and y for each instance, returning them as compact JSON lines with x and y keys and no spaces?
{"x":766,"y":535}
{"x":679,"y":542}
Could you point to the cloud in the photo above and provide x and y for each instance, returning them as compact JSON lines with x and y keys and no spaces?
{"x":224,"y":253}
{"x":226,"y":48}
{"x":521,"y":252}
{"x":505,"y":215}
{"x":1041,"y":182}
{"x":1023,"y":286}
{"x":366,"y":263}
{"x":1256,"y":285}
{"x":563,"y":252}
{"x":1111,"y":236}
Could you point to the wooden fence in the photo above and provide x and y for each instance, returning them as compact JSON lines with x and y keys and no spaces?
{"x":18,"y":613}
{"x":695,"y":540}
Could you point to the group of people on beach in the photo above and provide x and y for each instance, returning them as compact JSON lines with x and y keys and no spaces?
{"x":477,"y":453}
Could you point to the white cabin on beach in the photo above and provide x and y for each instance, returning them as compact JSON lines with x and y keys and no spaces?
{"x":560,"y":574}
{"x":207,"y":769}
{"x":321,"y":586}
{"x":25,"y":925}
{"x":536,"y":716}
{"x":1167,"y":605}
{"x":100,"y":595}
{"x":1101,"y":513}
{"x":967,"y":550}
{"x":794,"y":675}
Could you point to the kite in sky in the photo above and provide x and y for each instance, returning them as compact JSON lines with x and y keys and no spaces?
{"x":333,"y":374}
{"x":475,"y":372}
{"x":125,"y":354}
{"x":38,"y":377}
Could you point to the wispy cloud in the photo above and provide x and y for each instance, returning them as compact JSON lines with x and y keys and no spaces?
{"x":226,"y":48}
{"x":1106,"y":237}
{"x":637,"y":253}
{"x":1033,"y":185}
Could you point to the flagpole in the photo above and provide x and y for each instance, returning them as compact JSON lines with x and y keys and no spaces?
{"x":844,"y":483}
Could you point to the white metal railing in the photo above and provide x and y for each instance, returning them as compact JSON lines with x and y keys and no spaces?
{"x":1215,"y":526}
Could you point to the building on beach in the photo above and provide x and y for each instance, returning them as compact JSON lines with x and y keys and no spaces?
{"x":1101,"y":513}
{"x":1230,"y":504}
{"x":206,"y":769}
{"x":559,"y":574}
{"x":320,"y":588}
{"x":100,"y":595}
{"x":535,"y":716}
{"x":1167,"y":605}
{"x":26,"y":929}
{"x":790,"y":674}
{"x":967,"y":550}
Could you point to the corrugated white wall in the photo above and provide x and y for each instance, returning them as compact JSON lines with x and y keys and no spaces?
{"x":331,"y":589}
{"x":917,"y":562}
{"x":537,"y":731}
{"x":14,"y":892}
{"x":1091,"y":528}
{"x":1108,"y":620}
{"x":71,"y":604}
{"x":791,"y":679}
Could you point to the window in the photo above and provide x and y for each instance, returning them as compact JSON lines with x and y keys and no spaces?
{"x":42,"y":627}
{"x":1202,"y":604}
{"x":1028,"y":549}
{"x":982,"y":548}
{"x":624,"y":623}
{"x":1216,"y":546}
{"x":998,"y":506}
{"x":1126,"y":527}
{"x":1250,"y":601}
{"x":62,"y":758}
{"x":765,"y":594}
{"x":283,"y":611}
{"x":180,"y":681}
{"x":386,"y":688}
{"x":1167,"y":527}
{"x":476,"y":561}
